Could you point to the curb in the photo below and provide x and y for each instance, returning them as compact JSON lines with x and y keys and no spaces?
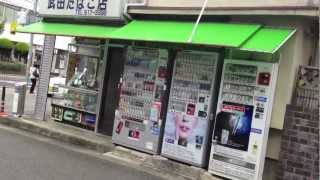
{"x":55,"y":134}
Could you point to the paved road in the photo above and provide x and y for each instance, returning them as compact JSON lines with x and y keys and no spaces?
{"x":25,"y":158}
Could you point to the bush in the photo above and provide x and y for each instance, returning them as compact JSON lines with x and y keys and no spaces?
{"x":6,"y":44}
{"x":1,"y":27}
{"x":12,"y":68}
{"x":22,"y":48}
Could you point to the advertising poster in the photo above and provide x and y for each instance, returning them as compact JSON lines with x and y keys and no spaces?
{"x":188,"y":117}
{"x":233,"y":126}
{"x":184,"y":135}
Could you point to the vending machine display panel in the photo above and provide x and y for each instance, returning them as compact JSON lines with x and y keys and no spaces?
{"x":188,"y":116}
{"x":243,"y":119}
{"x":138,"y":118}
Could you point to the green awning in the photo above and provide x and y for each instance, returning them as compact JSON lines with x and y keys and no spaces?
{"x":217,"y":34}
{"x":158,"y":31}
{"x":224,"y":34}
{"x":267,"y":40}
{"x":248,"y":37}
{"x":64,"y":29}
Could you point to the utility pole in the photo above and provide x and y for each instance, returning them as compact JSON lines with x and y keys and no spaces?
{"x":318,"y":60}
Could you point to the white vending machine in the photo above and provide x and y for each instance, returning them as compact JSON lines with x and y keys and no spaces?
{"x":189,"y":113}
{"x":242,"y":121}
{"x":138,"y":118}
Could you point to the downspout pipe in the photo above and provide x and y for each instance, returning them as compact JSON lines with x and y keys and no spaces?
{"x":198,"y":21}
{"x":127,"y":5}
{"x":319,"y":48}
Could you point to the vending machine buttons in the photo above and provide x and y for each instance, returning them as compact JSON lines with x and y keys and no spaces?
{"x":202,"y":114}
{"x":119,"y":127}
{"x":134,"y":134}
{"x":264,"y":78}
{"x":191,"y":109}
{"x":162,"y":72}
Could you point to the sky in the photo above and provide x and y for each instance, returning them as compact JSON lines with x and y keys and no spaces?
{"x":28,"y":4}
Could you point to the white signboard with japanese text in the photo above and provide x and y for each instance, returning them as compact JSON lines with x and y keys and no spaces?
{"x":93,"y":9}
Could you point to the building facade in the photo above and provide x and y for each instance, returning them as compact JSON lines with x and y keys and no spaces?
{"x":302,"y":49}
{"x":128,"y":48}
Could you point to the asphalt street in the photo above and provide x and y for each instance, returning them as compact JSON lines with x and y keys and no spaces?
{"x":25,"y":158}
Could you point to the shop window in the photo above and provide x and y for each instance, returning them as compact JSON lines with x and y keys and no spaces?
{"x":75,"y":101}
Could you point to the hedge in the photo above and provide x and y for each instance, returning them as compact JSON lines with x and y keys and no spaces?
{"x":6,"y":43}
{"x":22,"y":48}
{"x":12,"y":68}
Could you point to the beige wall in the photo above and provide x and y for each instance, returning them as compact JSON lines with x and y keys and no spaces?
{"x":226,"y":7}
{"x":228,"y":3}
{"x":295,"y":52}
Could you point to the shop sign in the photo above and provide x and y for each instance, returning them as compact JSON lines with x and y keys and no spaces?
{"x":93,"y":9}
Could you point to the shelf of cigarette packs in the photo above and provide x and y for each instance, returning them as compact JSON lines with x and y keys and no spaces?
{"x":73,"y":116}
{"x":76,"y":107}
{"x":136,"y":97}
{"x":239,"y":83}
{"x":191,"y":79}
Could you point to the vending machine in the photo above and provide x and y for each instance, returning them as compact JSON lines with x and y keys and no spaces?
{"x":190,"y":110}
{"x":242,"y":120}
{"x":138,"y":118}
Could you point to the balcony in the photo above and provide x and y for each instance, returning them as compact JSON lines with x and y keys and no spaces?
{"x":272,"y":7}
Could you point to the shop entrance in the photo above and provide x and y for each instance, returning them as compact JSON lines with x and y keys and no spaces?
{"x":110,"y":98}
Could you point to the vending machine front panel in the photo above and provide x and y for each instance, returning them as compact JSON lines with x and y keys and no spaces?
{"x":138,"y":117}
{"x":243,"y":119}
{"x":188,"y":116}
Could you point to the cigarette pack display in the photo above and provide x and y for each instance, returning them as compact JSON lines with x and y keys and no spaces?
{"x":138,"y":117}
{"x":191,"y":96}
{"x":243,"y":119}
{"x":76,"y":100}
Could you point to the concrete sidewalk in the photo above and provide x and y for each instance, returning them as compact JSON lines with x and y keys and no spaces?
{"x":87,"y":139}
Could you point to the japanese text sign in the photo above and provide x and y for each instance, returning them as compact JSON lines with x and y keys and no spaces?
{"x":81,"y":8}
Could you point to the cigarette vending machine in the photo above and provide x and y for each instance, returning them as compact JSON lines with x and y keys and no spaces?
{"x":138,"y":118}
{"x":242,"y":120}
{"x":190,"y":107}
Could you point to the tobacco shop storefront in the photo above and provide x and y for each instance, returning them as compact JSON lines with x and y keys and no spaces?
{"x":203,"y":99}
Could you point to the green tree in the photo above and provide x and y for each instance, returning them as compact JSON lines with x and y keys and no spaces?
{"x":21,"y":51}
{"x":1,"y":27}
{"x":6,"y":47}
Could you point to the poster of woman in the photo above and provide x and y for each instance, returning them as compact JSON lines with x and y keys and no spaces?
{"x":185,"y":130}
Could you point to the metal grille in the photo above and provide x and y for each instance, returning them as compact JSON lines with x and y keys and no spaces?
{"x":46,"y":61}
{"x":307,"y":88}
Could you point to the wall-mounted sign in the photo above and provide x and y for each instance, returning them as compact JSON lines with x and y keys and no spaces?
{"x":93,"y":9}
